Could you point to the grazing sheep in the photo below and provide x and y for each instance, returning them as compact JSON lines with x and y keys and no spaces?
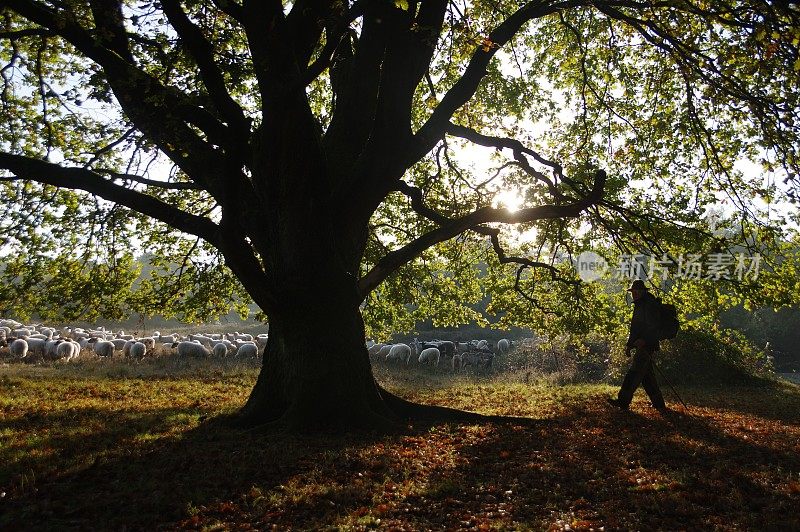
{"x":50,"y":348}
{"x":203,"y":339}
{"x":79,"y":334}
{"x":13,"y":324}
{"x":383,"y":352}
{"x":67,"y":350}
{"x":220,"y":349}
{"x":399,"y":352}
{"x":19,"y":348}
{"x":49,"y":332}
{"x":119,"y":343}
{"x":138,"y":350}
{"x":191,"y":349}
{"x":103,"y":348}
{"x":456,"y":362}
{"x":249,"y":350}
{"x":375,"y":349}
{"x":126,"y":349}
{"x":261,"y":340}
{"x":503,"y":346}
{"x":36,"y":346}
{"x":148,"y":341}
{"x":430,"y":354}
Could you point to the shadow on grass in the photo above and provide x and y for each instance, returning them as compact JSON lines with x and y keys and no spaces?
{"x":759,"y":397}
{"x":620,"y":470}
{"x":587,"y":466}
{"x":136,"y":471}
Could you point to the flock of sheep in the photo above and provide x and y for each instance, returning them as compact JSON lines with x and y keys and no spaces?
{"x":38,"y":342}
{"x":456,"y":355}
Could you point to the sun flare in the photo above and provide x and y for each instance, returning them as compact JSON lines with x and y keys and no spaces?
{"x":510,"y":199}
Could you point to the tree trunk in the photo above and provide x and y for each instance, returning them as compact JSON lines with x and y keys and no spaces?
{"x":316,"y":373}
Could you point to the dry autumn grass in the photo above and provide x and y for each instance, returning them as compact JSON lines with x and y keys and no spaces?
{"x":114,"y":445}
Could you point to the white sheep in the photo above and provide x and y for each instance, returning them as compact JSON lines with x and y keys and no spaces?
{"x":138,"y":350}
{"x":148,"y":341}
{"x":503,"y":346}
{"x":126,"y":349}
{"x":400,"y":352}
{"x":261,"y":340}
{"x":50,"y":347}
{"x":19,"y":348}
{"x":67,"y":350}
{"x":375,"y":349}
{"x":220,"y":349}
{"x":191,"y":349}
{"x":202,"y":338}
{"x":49,"y":331}
{"x":247,"y":349}
{"x":430,"y":354}
{"x":168,"y":339}
{"x":36,"y":346}
{"x":103,"y":348}
{"x":383,"y":352}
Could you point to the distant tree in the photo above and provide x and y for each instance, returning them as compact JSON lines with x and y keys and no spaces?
{"x":312,"y":149}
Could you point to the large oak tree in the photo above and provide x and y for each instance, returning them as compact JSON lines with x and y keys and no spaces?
{"x":315,"y":150}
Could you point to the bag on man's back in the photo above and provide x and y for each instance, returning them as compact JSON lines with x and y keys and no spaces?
{"x":668,"y":324}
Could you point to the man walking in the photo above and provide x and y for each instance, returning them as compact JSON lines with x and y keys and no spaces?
{"x":643,"y":338}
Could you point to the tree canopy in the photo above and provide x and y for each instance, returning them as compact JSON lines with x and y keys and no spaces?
{"x":271,"y":150}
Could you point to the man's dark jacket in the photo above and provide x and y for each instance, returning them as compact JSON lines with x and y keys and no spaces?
{"x":645,"y":321}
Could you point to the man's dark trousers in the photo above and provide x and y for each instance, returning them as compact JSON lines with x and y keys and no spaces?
{"x":641,"y":372}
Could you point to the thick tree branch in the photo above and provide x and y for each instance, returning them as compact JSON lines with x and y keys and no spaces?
{"x":517,"y":148}
{"x":305,"y":23}
{"x":110,"y":22}
{"x":149,"y":182}
{"x":271,"y":45}
{"x":394,"y":260}
{"x":230,"y":8}
{"x":27,"y":168}
{"x":161,"y":113}
{"x":355,"y":77}
{"x":203,"y":53}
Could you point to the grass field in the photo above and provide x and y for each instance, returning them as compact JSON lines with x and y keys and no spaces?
{"x":113,"y":445}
